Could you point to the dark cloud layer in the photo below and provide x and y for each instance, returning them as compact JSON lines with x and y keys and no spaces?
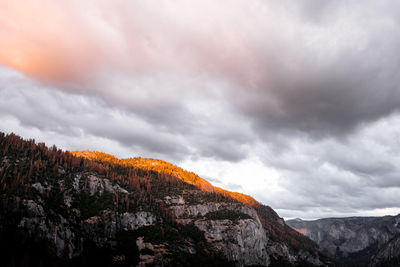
{"x":328,"y":76}
{"x":302,"y":98}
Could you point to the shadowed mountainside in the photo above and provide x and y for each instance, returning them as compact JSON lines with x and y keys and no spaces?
{"x":388,"y":255}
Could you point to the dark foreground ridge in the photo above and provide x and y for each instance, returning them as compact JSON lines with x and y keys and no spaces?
{"x":88,"y":208}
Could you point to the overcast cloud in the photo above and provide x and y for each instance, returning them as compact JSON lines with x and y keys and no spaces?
{"x":293,"y":102}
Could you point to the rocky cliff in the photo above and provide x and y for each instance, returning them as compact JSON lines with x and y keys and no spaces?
{"x":388,"y":255}
{"x":351,"y":240}
{"x":59,"y":208}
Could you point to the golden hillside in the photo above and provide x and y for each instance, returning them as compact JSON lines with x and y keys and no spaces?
{"x":165,"y":167}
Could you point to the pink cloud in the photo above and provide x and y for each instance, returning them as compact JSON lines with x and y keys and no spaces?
{"x":72,"y":41}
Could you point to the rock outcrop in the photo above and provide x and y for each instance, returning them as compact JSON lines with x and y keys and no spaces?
{"x":233,"y":229}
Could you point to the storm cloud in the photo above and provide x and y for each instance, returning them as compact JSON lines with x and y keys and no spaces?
{"x":295,"y":103}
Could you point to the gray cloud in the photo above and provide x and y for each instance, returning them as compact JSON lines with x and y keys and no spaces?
{"x":347,"y":177}
{"x":309,"y":88}
{"x":327,"y":76}
{"x":172,"y":135}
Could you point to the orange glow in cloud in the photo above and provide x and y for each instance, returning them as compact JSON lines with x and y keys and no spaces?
{"x":60,"y":42}
{"x":44,"y":41}
{"x":34,"y":62}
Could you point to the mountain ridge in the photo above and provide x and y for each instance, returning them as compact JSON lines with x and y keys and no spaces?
{"x":76,"y":207}
{"x":267,"y":213}
{"x":152,"y":164}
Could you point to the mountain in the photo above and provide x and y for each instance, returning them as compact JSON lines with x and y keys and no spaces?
{"x":275,"y":225}
{"x":88,"y":208}
{"x":351,"y":241}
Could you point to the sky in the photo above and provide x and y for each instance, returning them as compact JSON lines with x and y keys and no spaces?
{"x":293,"y":102}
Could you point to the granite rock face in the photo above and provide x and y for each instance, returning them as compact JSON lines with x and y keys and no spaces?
{"x":232,"y":229}
{"x":235,"y":230}
{"x":61,"y":231}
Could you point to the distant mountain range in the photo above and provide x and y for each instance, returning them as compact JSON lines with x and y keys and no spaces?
{"x":86,"y":208}
{"x":355,"y":241}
